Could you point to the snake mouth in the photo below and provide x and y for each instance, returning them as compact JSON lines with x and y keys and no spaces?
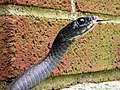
{"x":102,"y":20}
{"x":95,"y":19}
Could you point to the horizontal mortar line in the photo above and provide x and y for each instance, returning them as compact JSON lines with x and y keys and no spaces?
{"x":98,"y":76}
{"x":111,"y":21}
{"x":17,"y":10}
{"x":38,"y":12}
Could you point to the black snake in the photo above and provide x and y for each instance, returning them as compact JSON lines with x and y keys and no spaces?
{"x":63,"y":40}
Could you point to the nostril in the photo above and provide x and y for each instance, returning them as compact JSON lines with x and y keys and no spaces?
{"x":95,"y":17}
{"x":91,"y":18}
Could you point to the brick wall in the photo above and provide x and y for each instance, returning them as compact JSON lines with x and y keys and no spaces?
{"x":28,"y":28}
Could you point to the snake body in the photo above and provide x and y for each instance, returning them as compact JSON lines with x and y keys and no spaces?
{"x":63,"y":40}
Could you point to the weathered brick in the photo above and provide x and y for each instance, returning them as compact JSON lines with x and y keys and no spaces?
{"x":27,"y":40}
{"x":99,"y":6}
{"x":96,"y":51}
{"x":56,"y":4}
{"x":5,"y":48}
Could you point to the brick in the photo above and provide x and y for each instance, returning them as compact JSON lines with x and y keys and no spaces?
{"x":99,"y":6}
{"x":26,"y":41}
{"x":96,"y":51}
{"x":56,"y":4}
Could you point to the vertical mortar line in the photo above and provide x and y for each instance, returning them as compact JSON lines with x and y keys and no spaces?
{"x":73,"y":6}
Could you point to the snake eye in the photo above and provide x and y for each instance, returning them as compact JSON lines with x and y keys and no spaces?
{"x":81,"y":21}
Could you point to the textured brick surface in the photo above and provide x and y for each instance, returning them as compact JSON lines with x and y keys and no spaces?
{"x":26,"y":41}
{"x":57,"y":4}
{"x":98,"y":50}
{"x":6,"y":46}
{"x":99,"y":6}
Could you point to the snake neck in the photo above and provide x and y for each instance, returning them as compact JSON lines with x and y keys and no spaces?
{"x":57,"y":51}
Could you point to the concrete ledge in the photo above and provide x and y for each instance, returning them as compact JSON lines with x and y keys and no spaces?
{"x":111,"y":85}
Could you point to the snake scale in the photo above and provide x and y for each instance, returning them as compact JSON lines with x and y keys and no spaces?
{"x":63,"y":40}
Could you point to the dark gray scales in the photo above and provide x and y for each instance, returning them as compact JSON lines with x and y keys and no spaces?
{"x":43,"y":69}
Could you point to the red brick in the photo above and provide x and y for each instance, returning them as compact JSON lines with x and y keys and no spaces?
{"x":56,"y":4}
{"x":99,"y":6}
{"x":98,"y":50}
{"x":25,"y":41}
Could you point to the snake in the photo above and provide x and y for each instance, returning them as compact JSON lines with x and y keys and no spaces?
{"x":43,"y":69}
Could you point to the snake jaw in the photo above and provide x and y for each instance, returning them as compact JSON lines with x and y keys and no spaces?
{"x":94,"y":19}
{"x":102,"y":20}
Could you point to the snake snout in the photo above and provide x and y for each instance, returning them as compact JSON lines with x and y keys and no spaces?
{"x":93,"y":19}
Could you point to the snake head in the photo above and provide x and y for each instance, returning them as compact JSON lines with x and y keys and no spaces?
{"x":74,"y":29}
{"x":83,"y":25}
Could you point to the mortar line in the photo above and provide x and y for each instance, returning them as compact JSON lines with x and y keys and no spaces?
{"x":111,"y":21}
{"x":99,"y":76}
{"x":73,"y":6}
{"x":37,"y":12}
